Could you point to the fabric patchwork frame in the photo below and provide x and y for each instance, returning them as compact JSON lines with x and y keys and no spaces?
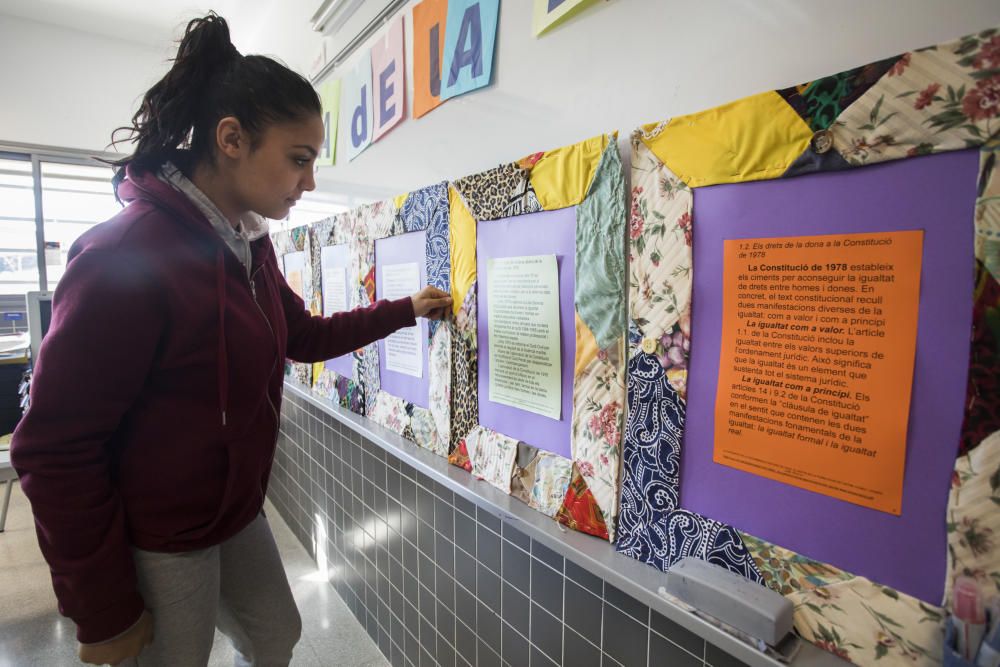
{"x":346,"y":390}
{"x":425,"y":210}
{"x":582,"y":491}
{"x":936,"y":99}
{"x":286,"y":242}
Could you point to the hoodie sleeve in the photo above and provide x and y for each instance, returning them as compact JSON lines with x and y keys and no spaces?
{"x":105,"y":327}
{"x":312,"y":338}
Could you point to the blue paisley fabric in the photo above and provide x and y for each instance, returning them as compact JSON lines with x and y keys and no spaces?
{"x":427,"y":210}
{"x":651,"y":526}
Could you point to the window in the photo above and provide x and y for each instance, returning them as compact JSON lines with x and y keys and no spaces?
{"x":74,"y":199}
{"x":18,"y":240}
{"x":312,"y":207}
{"x":75,"y":194}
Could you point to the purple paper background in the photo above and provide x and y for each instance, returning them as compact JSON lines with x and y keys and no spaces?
{"x":934,"y":193}
{"x":403,"y":249}
{"x":343,"y":365}
{"x":545,"y":233}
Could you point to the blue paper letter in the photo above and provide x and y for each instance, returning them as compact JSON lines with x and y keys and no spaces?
{"x":469,"y":37}
{"x":472,"y":31}
{"x":385,"y":114}
{"x":359,"y":136}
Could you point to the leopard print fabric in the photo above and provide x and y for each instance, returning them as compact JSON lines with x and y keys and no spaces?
{"x":464,"y":387}
{"x":498,"y":193}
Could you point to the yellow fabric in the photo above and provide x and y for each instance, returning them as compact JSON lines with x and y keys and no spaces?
{"x":462,"y":234}
{"x":586,"y":346}
{"x":318,"y":368}
{"x":562,"y":177}
{"x":399,"y":200}
{"x":751,"y":139}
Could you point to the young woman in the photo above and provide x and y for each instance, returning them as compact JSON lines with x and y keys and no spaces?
{"x":154,"y":409}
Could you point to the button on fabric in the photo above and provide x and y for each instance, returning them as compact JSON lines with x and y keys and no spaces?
{"x":822,"y":141}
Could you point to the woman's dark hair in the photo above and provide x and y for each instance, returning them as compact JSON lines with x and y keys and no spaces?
{"x":209,"y":81}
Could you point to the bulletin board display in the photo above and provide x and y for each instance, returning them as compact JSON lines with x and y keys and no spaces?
{"x":879,"y":153}
{"x":293,"y":251}
{"x":423,"y":415}
{"x":403,"y":360}
{"x":532,"y":372}
{"x":573,"y":200}
{"x":335,"y":260}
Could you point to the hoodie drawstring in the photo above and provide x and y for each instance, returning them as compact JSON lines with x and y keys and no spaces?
{"x":223,"y":367}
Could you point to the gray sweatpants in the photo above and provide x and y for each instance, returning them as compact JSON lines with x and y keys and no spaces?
{"x":238,"y":586}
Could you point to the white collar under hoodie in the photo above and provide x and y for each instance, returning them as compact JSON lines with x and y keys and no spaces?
{"x":251,"y":226}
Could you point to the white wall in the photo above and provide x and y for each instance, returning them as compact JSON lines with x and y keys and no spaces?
{"x":624,"y":63}
{"x":70,"y":89}
{"x":620,"y":64}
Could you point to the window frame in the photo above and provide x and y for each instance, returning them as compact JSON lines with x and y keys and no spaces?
{"x":36,"y":155}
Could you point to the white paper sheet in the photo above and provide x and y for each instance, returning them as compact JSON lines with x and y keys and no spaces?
{"x":334,"y":280}
{"x":403,"y":351}
{"x":523,"y":323}
{"x":295,"y":270}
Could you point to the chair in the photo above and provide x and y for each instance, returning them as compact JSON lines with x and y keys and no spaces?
{"x":8,"y":476}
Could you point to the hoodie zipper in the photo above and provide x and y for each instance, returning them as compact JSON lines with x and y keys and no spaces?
{"x":267,"y":391}
{"x":253,"y":293}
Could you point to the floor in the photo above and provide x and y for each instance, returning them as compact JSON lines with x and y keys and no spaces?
{"x":32,"y":633}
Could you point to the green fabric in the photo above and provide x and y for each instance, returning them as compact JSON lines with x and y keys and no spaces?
{"x":820,"y":102}
{"x":600,"y":251}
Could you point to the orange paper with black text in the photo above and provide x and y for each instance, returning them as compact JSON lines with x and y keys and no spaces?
{"x":429,"y":18}
{"x":816,"y":366}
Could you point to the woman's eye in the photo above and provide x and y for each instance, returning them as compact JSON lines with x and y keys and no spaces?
{"x":301,"y":161}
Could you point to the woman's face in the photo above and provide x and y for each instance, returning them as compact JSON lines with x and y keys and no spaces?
{"x":274,"y":175}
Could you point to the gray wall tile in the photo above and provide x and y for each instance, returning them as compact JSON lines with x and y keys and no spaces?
{"x":435,"y":579}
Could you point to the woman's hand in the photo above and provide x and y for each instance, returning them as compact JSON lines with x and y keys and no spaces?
{"x":122,"y":647}
{"x":430,"y":302}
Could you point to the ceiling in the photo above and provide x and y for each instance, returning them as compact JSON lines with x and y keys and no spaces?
{"x":154,"y":23}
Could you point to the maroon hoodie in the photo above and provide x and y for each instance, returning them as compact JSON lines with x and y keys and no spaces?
{"x":156,"y":394}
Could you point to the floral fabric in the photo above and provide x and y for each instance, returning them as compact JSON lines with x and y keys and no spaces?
{"x":660,"y":234}
{"x":551,"y":480}
{"x":392,"y":412}
{"x":787,"y":572}
{"x":439,"y":392}
{"x":973,"y":517}
{"x":579,"y":510}
{"x":598,"y":416}
{"x":869,"y":624}
{"x":492,"y":455}
{"x":459,"y":456}
{"x":942,"y":98}
{"x":425,"y":431}
{"x":299,"y":373}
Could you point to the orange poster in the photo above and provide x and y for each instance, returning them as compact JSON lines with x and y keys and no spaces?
{"x":429,"y":18}
{"x":819,"y":335}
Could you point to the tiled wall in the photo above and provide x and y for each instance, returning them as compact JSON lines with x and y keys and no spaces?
{"x":436,"y":580}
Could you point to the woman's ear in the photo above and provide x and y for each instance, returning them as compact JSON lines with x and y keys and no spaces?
{"x":230,"y":138}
